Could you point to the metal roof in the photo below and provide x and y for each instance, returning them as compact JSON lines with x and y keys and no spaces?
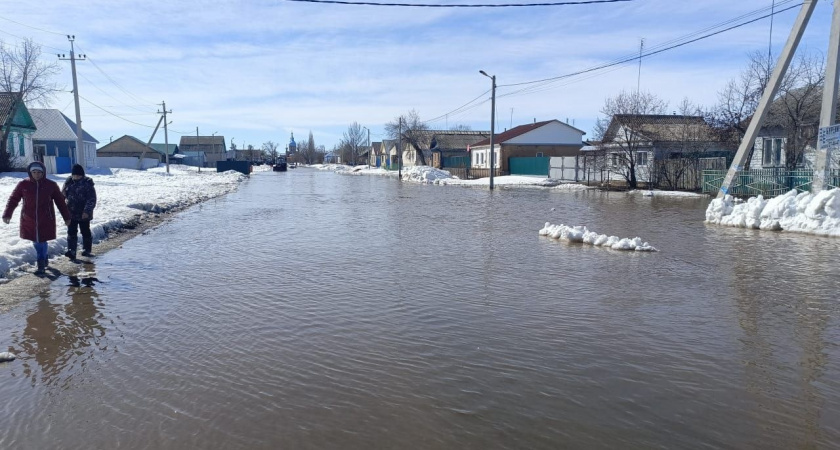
{"x":51,"y":126}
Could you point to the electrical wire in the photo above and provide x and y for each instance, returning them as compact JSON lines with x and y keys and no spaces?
{"x":438,"y":5}
{"x":115,"y":115}
{"x":650,"y":53}
{"x":543,"y":84}
{"x":34,"y":28}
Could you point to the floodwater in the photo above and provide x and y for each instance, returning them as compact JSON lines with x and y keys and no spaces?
{"x":310,"y":310}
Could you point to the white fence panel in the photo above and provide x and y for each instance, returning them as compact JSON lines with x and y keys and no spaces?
{"x":565,"y":168}
{"x":125,"y":162}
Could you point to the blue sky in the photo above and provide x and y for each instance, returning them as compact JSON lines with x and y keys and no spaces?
{"x":258,"y":70}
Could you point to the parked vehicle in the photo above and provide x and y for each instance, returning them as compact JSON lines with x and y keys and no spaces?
{"x":280,"y":165}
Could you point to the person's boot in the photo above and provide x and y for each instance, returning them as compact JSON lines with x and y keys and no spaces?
{"x":41,"y":267}
{"x":70,"y":254}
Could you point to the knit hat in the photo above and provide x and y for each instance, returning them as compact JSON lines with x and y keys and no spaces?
{"x":37,"y":166}
{"x":78,"y":170}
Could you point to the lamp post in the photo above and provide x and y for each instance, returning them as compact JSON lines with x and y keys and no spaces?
{"x":492,"y":124}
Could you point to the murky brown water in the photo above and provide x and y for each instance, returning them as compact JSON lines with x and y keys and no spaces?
{"x":312,"y":310}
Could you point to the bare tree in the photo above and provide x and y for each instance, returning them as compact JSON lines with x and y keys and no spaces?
{"x":795,"y":109}
{"x":309,"y":151}
{"x":270,"y":151}
{"x":620,"y":131}
{"x":682,"y":144}
{"x":412,"y":131}
{"x":352,"y":144}
{"x":26,"y":79}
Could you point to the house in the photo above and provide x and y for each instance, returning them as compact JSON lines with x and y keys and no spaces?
{"x":376,"y":156}
{"x":126,"y":152}
{"x":451,"y":148}
{"x":793,"y":116}
{"x":537,"y":140}
{"x":17,"y":125}
{"x":655,"y":141}
{"x":213,"y":147}
{"x":441,"y":146}
{"x":389,"y":153}
{"x":54,"y":142}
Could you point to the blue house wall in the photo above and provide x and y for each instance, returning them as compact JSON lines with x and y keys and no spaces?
{"x":56,"y":148}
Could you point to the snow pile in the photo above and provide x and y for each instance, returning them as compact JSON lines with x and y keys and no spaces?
{"x":799,"y":212}
{"x":658,"y":193}
{"x":582,"y":235}
{"x":425,"y":174}
{"x":123,"y":196}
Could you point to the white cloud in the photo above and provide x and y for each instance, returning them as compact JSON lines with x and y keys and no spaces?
{"x":259,"y":69}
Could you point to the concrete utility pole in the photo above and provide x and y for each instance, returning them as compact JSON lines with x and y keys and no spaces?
{"x":80,"y":149}
{"x":492,"y":125}
{"x":828,"y":112}
{"x":399,"y":151}
{"x":767,"y":97}
{"x":165,"y":134}
{"x":197,"y":145}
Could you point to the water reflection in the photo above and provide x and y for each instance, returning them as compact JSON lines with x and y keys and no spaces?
{"x":785,"y":330}
{"x":59,"y":339}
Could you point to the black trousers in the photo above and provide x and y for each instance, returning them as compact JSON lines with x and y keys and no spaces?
{"x":73,"y":235}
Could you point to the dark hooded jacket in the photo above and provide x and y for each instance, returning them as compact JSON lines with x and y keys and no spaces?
{"x":37,"y":219}
{"x":81,"y":197}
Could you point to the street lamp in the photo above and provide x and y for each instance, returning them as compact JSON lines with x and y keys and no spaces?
{"x":492,"y":124}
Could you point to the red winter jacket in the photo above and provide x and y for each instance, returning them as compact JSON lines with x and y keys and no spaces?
{"x":37,"y":221}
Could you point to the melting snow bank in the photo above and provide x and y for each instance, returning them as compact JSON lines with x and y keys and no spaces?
{"x":799,"y":212}
{"x":583,"y":235}
{"x":124,"y":197}
{"x":431,"y":175}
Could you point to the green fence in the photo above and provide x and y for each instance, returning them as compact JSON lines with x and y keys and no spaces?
{"x":530,"y":166}
{"x":455,"y":161}
{"x":765,"y":182}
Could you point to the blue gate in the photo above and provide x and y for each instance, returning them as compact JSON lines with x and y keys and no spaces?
{"x":62,"y":164}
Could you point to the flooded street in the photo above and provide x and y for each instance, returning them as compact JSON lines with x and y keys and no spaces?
{"x":313,"y":310}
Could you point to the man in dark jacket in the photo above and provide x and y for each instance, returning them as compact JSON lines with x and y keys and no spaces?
{"x":37,"y":219}
{"x":81,"y":199}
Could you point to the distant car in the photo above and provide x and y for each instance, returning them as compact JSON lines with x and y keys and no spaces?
{"x":280,"y":165}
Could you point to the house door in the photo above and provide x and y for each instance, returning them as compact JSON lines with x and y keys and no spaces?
{"x":40,"y":151}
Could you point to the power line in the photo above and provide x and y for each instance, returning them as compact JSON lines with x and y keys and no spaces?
{"x":139,"y":100}
{"x":456,"y":110}
{"x":653,"y":50}
{"x":651,"y":53}
{"x":437,"y":5}
{"x":34,"y":28}
{"x":115,"y":115}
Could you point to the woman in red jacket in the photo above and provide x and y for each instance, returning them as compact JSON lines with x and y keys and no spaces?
{"x":37,"y":219}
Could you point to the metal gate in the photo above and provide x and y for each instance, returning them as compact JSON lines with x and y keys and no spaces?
{"x":565,"y":168}
{"x":529,"y":166}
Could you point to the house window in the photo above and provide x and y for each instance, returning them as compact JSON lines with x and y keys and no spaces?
{"x":614,"y":159}
{"x":641,"y":158}
{"x":771,"y":153}
{"x":10,"y":144}
{"x":21,"y":146}
{"x":539,"y":154}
